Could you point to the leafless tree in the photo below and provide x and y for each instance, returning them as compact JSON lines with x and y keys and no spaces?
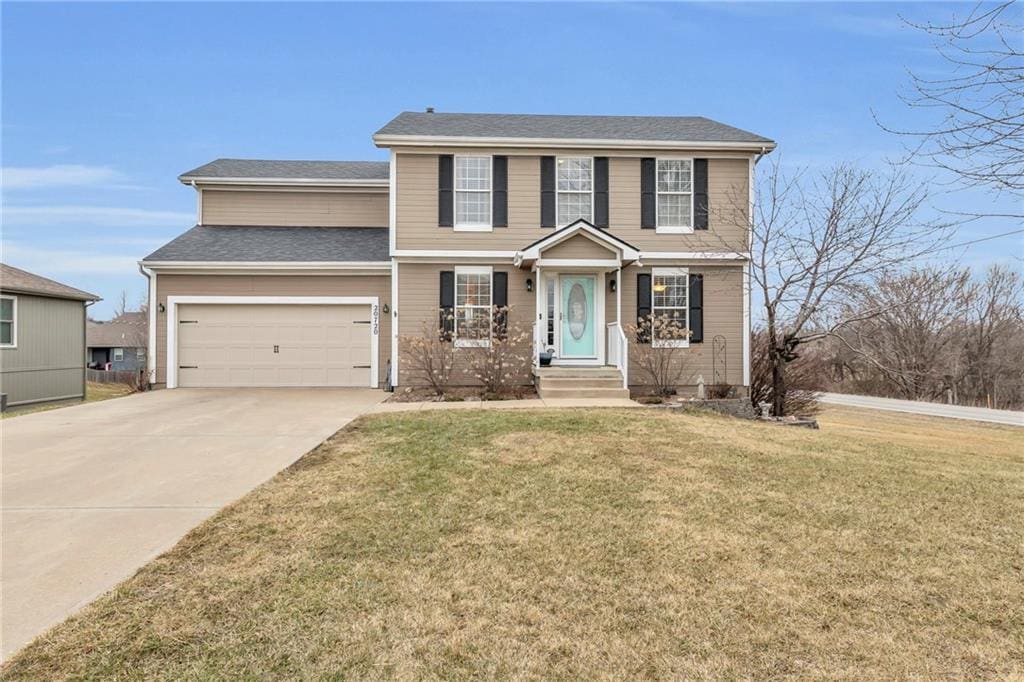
{"x":913,"y":341}
{"x":975,"y":127}
{"x":942,"y":335}
{"x":122,"y":304}
{"x":815,"y":239}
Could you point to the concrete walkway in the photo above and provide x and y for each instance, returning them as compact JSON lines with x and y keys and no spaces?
{"x":533,"y":403}
{"x":980,"y":414}
{"x":93,"y":492}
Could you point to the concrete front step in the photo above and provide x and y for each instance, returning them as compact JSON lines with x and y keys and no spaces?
{"x":573,"y":393}
{"x":579,"y":382}
{"x":578,"y":372}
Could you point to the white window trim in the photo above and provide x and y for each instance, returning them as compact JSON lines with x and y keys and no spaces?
{"x":114,"y":355}
{"x":472,"y":270}
{"x":13,"y":320}
{"x":671,"y":272}
{"x":471,"y":227}
{"x":672,"y":229}
{"x":590,"y":219}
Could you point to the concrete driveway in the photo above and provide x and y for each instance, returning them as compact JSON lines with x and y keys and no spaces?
{"x":93,"y":492}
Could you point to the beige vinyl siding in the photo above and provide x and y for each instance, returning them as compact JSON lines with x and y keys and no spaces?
{"x":49,"y":360}
{"x":578,"y":247}
{"x":272,"y":285}
{"x":723,"y":315}
{"x":305,"y":209}
{"x":419,"y":300}
{"x":416,"y":204}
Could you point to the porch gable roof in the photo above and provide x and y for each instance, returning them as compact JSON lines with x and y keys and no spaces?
{"x":532,"y":252}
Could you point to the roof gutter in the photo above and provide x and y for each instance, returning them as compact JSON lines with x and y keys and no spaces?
{"x":569,"y":143}
{"x":305,"y":182}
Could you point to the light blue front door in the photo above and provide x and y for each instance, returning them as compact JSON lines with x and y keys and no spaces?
{"x":579,"y":322}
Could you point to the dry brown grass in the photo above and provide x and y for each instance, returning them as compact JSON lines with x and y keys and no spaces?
{"x":590,"y":544}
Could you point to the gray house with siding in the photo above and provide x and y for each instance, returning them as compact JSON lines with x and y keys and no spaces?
{"x":119,"y":344}
{"x":42,"y":338}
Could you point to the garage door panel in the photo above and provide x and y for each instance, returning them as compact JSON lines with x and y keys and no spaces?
{"x":233,"y":345}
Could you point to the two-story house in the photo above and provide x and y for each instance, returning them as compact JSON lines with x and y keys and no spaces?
{"x":310,"y":273}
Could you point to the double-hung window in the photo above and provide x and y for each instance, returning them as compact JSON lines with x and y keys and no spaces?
{"x":8,"y":322}
{"x":575,"y":185}
{"x":473,"y":306}
{"x":670,"y":306}
{"x":473,"y":193}
{"x":675,"y":195}
{"x":118,"y":354}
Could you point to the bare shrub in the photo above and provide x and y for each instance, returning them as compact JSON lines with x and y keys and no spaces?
{"x":500,"y":365}
{"x":802,"y":379}
{"x":661,"y":355}
{"x":431,"y":354}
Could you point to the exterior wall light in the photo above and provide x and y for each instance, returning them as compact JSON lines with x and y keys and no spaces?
{"x":529,"y":284}
{"x":612,"y":285}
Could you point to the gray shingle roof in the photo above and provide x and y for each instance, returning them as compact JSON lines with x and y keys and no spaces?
{"x":543,"y":126}
{"x":258,"y":169}
{"x":16,"y":280}
{"x":228,"y":243}
{"x":125,"y":333}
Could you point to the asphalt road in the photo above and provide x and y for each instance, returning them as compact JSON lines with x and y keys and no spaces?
{"x":980,"y":414}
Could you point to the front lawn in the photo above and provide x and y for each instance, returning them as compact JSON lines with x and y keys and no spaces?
{"x":590,"y":544}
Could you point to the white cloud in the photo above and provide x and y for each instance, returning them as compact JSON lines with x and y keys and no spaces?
{"x":14,"y":216}
{"x":60,"y":175}
{"x":57,"y":262}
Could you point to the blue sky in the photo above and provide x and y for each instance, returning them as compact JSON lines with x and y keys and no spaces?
{"x":105,"y":104}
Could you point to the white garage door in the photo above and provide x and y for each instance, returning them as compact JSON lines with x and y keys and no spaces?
{"x":274,"y":345}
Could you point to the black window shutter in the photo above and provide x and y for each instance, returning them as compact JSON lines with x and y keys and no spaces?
{"x":446,"y":324}
{"x":499,"y":205}
{"x":643,"y":307}
{"x":547,"y":191}
{"x":700,"y":194}
{"x":648,"y":194}
{"x":445,"y":184}
{"x":601,"y":191}
{"x":696,"y":308}
{"x":499,"y":294}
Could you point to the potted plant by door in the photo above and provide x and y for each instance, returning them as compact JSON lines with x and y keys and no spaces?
{"x":545,"y":357}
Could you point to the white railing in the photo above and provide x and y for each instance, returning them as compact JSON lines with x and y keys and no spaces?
{"x":618,"y":351}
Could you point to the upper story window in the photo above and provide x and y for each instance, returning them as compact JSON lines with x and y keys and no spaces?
{"x":575,"y":185}
{"x":670,"y":301}
{"x":8,"y":323}
{"x":675,"y":195}
{"x":473,"y":299}
{"x":472,"y":193}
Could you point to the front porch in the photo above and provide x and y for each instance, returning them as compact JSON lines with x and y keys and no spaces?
{"x":576,"y":274}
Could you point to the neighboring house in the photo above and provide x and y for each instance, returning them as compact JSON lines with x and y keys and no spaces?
{"x":119,"y":343}
{"x":42,"y":338}
{"x":310,"y":272}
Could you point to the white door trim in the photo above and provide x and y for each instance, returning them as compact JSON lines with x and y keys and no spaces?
{"x":172,"y":321}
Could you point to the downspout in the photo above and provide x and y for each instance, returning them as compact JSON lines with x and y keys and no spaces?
{"x":151,"y":331}
{"x":85,"y":347}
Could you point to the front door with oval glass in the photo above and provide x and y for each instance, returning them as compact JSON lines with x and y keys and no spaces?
{"x":578,"y":317}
